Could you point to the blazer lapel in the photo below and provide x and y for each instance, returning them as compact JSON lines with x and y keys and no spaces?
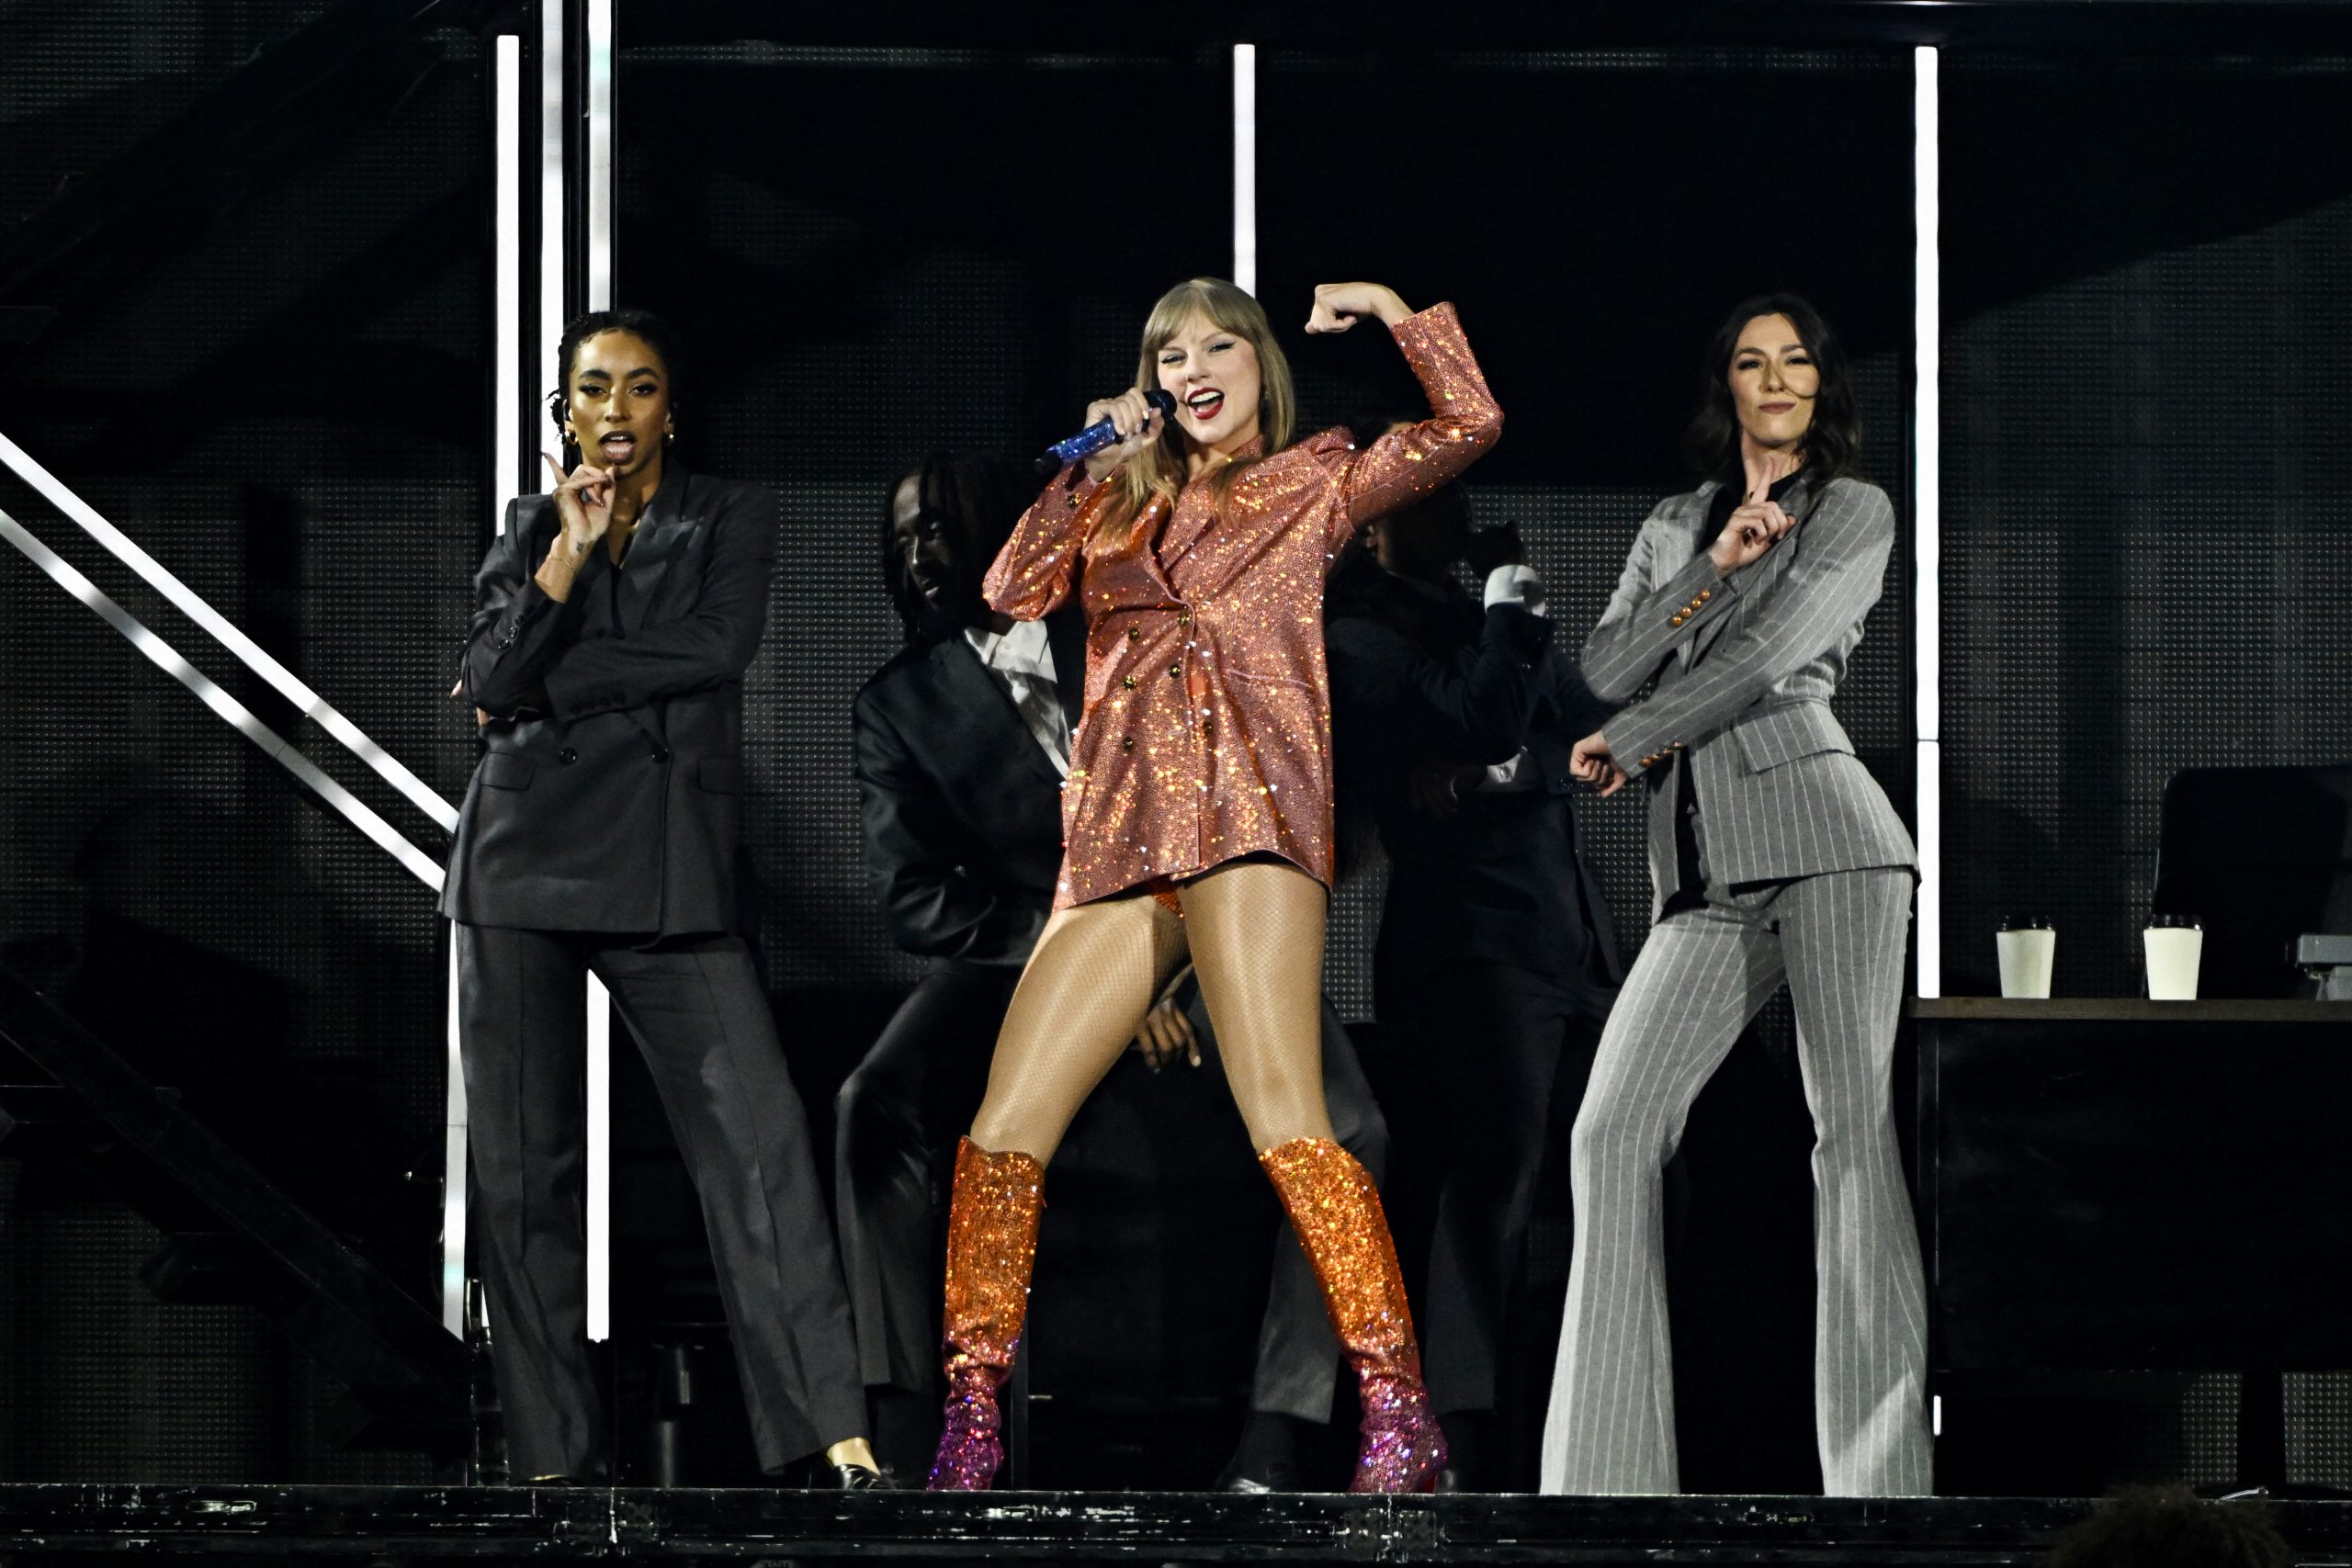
{"x":670,"y":523}
{"x":970,"y":690}
{"x":1184,"y":530}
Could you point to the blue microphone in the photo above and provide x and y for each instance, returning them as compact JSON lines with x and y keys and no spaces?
{"x":1099,"y":434}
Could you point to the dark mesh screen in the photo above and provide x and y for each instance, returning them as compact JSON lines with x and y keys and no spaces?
{"x":261,"y":359}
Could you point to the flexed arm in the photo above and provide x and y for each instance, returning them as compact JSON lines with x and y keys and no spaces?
{"x":1464,"y":420}
{"x":1836,"y":576}
{"x":517,"y":629}
{"x":1648,"y":615}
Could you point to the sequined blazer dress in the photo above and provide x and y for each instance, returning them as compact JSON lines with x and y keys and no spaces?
{"x":1206,"y":733}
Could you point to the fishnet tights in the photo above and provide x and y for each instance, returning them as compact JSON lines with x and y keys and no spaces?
{"x":1254,"y":932}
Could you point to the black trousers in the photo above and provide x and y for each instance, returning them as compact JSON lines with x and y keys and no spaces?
{"x":899,"y":1116}
{"x":1501,"y":1043}
{"x":696,"y":1010}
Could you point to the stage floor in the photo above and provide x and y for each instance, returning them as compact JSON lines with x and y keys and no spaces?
{"x":551,"y":1523}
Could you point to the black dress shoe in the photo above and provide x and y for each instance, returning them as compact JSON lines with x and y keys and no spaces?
{"x":857,"y":1478}
{"x":1266,"y":1460}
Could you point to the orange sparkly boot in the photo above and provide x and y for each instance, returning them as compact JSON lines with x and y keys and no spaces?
{"x":1335,"y":1209}
{"x":991,"y":1244}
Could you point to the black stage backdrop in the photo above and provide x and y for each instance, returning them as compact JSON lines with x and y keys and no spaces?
{"x":269,"y":371}
{"x":245,"y":253}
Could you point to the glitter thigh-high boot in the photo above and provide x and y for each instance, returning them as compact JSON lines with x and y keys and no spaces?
{"x":1335,"y":1209}
{"x":991,"y":1244}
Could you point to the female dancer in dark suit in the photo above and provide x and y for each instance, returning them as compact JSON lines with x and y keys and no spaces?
{"x":1776,"y":858}
{"x":613,"y":623}
{"x":1197,"y":816}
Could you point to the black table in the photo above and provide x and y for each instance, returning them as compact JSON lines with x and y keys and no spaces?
{"x":2125,"y":1184}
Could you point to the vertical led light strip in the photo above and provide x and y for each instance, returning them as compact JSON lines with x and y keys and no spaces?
{"x":509,"y":418}
{"x":1926,"y":546}
{"x":551,"y":235}
{"x":1245,"y":167}
{"x":509,"y":393}
{"x":601,"y":141}
{"x":598,"y":29}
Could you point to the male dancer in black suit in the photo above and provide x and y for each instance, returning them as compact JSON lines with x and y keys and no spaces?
{"x":1452,"y":724}
{"x":962,"y":743}
{"x":613,"y":622}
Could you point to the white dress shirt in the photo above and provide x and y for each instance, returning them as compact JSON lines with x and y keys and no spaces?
{"x":1021,"y":662}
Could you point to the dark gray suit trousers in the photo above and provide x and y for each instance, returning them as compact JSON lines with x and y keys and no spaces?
{"x":696,"y":1010}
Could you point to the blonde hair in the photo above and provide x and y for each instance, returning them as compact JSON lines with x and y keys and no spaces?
{"x":1160,"y":469}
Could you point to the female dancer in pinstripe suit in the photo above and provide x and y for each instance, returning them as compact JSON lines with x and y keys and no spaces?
{"x":1776,"y":857}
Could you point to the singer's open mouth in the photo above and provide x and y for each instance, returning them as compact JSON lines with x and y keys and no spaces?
{"x":1206,"y":403}
{"x":620,"y":446}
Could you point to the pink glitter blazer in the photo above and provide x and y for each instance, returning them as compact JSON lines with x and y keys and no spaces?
{"x":1206,"y":732}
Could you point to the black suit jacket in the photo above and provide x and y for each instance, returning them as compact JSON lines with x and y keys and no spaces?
{"x":608,"y":794}
{"x":961,"y":809}
{"x":1416,"y":679}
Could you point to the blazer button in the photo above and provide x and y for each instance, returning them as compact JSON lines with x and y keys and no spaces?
{"x":1208,"y":731}
{"x":1705,"y":594}
{"x":1175,"y":671}
{"x":1126,"y":743}
{"x":567,"y":755}
{"x":1677,"y":620}
{"x":660,"y":753}
{"x":1134,"y":634}
{"x":1128,"y":682}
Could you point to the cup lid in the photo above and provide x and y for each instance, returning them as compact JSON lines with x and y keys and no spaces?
{"x":2169,"y":921}
{"x":2026,"y":923}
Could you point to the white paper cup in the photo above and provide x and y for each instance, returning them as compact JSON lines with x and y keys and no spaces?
{"x":2026,"y":950}
{"x":2175,"y":945}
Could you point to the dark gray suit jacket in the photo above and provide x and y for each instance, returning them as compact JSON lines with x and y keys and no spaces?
{"x":961,"y":809}
{"x":1744,"y":667}
{"x":608,"y":794}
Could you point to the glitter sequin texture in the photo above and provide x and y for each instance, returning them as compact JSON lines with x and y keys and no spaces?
{"x":991,"y":1246}
{"x":1207,"y":726}
{"x":1336,"y":1210}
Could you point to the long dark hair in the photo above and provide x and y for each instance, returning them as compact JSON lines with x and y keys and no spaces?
{"x":978,"y":499}
{"x":1833,"y":442}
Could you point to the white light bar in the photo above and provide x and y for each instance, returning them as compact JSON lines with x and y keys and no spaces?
{"x":510,"y":397}
{"x":249,"y":652}
{"x":600,"y":1161}
{"x":601,"y":141}
{"x":455,"y":1127}
{"x":167,"y":659}
{"x":551,"y":235}
{"x":1926,"y":513}
{"x":1245,"y":167}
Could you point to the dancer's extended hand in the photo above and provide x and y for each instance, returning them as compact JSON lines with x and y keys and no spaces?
{"x":583,"y":499}
{"x":1758,"y":522}
{"x":1167,"y":1036}
{"x":1593,"y":762}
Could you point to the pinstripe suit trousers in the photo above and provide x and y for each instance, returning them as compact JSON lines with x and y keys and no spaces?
{"x":1837,"y":940}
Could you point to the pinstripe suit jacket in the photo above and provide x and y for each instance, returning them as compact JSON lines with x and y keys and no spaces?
{"x":1744,"y":667}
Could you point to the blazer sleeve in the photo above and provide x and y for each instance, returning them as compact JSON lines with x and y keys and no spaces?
{"x":1480,"y":715}
{"x":517,"y":631}
{"x":1465,"y":420}
{"x":932,"y":905}
{"x":1648,"y":615}
{"x":710,"y":645}
{"x":1828,"y":583}
{"x":1032,"y":576}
